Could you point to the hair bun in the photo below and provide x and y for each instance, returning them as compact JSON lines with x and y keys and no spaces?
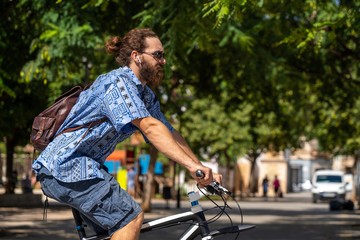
{"x":112,"y":46}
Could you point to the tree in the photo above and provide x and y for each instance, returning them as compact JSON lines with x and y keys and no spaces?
{"x":216,"y":133}
{"x":293,"y":64}
{"x":52,"y":43}
{"x":18,"y":100}
{"x":291,"y":53}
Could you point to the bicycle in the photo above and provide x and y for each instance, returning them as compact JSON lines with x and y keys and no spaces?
{"x":197,"y":223}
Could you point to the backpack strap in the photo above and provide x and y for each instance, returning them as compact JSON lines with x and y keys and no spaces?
{"x":88,"y":125}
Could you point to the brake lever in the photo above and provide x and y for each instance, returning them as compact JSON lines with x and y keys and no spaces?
{"x":214,"y":187}
{"x":219,"y":188}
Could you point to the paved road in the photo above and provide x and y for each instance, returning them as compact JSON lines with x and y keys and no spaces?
{"x":292,"y":217}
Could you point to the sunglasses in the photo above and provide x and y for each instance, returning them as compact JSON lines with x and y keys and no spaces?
{"x":157,"y":55}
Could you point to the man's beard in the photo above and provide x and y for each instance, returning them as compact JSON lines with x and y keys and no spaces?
{"x":153,"y":75}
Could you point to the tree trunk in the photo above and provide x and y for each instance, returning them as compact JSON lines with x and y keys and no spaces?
{"x":149,"y":184}
{"x":10,"y":176}
{"x":253,"y":181}
{"x":1,"y":167}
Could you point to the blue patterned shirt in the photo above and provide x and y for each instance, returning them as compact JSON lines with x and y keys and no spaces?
{"x":120,"y":97}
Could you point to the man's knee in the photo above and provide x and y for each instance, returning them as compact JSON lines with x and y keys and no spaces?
{"x":131,"y":230}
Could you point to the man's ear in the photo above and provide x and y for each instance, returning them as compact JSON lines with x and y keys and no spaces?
{"x":135,"y":56}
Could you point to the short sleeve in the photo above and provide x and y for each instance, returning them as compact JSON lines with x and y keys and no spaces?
{"x":156,"y":113}
{"x":122,"y":102}
{"x":153,"y":106}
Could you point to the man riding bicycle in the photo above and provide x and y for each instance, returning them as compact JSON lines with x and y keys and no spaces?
{"x":70,"y":169}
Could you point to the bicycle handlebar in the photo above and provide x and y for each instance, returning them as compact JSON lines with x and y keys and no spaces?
{"x":214,"y":187}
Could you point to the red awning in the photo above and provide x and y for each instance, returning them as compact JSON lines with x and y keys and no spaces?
{"x":117,"y":155}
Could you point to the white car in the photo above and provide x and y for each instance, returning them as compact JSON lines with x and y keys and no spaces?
{"x":328,"y":184}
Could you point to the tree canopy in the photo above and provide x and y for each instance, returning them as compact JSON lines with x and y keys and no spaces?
{"x":240,"y":76}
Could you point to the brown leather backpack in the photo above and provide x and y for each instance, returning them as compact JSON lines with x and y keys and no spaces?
{"x":48,"y":122}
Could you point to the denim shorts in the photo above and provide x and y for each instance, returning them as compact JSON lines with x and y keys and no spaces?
{"x":104,"y":205}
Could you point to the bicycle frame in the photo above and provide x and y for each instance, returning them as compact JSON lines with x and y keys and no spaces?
{"x":198,"y":225}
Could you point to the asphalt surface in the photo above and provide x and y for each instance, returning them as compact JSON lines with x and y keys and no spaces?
{"x":292,"y":217}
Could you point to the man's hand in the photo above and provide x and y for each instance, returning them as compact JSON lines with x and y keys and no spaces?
{"x":217,"y":178}
{"x":208,"y":178}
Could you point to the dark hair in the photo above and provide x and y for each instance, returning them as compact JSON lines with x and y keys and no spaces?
{"x":121,"y":48}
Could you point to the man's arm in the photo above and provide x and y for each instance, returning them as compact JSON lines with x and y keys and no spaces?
{"x":183,"y":144}
{"x":173,"y":146}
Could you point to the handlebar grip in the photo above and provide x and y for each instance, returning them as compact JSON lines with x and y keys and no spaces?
{"x":199,"y":173}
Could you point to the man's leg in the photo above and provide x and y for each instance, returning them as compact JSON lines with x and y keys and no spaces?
{"x":131,"y":231}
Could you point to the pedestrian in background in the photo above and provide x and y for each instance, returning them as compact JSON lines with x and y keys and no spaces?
{"x":131,"y":176}
{"x":277,"y":188}
{"x":265,"y":186}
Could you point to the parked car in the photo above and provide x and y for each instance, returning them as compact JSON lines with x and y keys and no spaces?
{"x":328,"y":184}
